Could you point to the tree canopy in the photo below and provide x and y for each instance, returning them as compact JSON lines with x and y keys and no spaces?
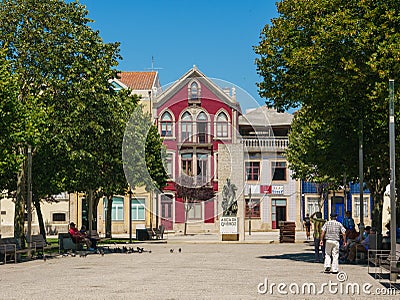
{"x":333,"y":59}
{"x":71,"y":117}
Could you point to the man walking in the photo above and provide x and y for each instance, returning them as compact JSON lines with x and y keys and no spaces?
{"x":331,"y":233}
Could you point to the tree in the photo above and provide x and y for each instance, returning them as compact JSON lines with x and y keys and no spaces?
{"x":334,"y":58}
{"x":10,"y":129}
{"x":155,"y":155}
{"x":190,"y":192}
{"x":63,"y":68}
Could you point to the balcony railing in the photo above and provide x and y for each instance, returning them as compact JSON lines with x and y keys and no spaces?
{"x":265,"y":143}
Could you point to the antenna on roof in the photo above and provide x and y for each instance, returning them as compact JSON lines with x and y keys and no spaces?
{"x":152,"y":65}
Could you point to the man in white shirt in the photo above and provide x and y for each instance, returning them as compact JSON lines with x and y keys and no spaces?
{"x":331,"y":233}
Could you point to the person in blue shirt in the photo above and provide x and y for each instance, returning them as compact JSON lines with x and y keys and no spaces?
{"x":348,"y":221}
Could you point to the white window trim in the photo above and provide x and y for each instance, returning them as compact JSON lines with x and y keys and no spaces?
{"x":172,"y":137}
{"x":229,"y":125}
{"x":189,"y":87}
{"x":137,"y":209}
{"x":356,"y":207}
{"x":173,"y":161}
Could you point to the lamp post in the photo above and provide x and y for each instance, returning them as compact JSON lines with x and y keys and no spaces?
{"x":361,"y":177}
{"x":130,"y":215}
{"x":4,"y":194}
{"x":250,"y":210}
{"x":393,"y":275}
{"x":29,"y":201}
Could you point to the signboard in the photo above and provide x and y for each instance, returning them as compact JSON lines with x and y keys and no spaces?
{"x":228,"y":225}
{"x":277,"y":189}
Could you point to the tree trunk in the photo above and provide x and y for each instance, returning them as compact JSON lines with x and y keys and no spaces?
{"x":36,"y":203}
{"x":108,"y":217}
{"x":96,"y":201}
{"x":186,"y":217}
{"x":19,"y":216}
{"x":89,"y":200}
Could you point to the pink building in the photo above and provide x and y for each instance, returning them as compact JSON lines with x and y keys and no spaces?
{"x":193,"y":116}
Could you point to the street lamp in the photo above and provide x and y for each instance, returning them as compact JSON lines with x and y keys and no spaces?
{"x":250,"y":210}
{"x":130,"y":215}
{"x":392,"y":139}
{"x":4,"y":194}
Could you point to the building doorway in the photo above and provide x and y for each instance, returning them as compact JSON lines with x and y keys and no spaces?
{"x":337,"y":206}
{"x":166,"y":211}
{"x":278,"y":212}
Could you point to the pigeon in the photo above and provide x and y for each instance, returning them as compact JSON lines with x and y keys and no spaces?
{"x":180,"y":250}
{"x":171,"y":250}
{"x":102,"y":252}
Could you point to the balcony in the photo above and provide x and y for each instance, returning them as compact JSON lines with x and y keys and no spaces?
{"x":265,"y":144}
{"x":201,"y":140}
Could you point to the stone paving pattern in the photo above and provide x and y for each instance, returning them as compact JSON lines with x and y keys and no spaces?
{"x":204,"y":269}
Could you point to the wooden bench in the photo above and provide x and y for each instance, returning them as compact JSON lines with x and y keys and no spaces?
{"x":157,"y":233}
{"x":11,"y":248}
{"x":160,"y":232}
{"x":95,"y":238}
{"x":38,"y":243}
{"x":65,"y":243}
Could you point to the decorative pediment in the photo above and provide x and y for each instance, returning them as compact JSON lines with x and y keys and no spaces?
{"x":195,"y":82}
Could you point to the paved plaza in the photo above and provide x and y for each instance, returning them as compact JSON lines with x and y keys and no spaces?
{"x":259,"y":268}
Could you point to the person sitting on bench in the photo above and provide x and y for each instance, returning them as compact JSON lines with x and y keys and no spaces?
{"x":360,"y":246}
{"x":79,"y":237}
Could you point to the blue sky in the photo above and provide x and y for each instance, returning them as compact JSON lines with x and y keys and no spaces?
{"x":217,"y":36}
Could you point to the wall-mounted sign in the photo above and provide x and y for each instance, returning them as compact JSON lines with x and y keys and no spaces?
{"x":277,"y":189}
{"x":228,"y":225}
{"x":266,"y":189}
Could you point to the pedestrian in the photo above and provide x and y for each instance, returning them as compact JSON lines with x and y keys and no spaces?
{"x":318,"y":222}
{"x":348,"y":221}
{"x":331,"y":233}
{"x":307,"y":225}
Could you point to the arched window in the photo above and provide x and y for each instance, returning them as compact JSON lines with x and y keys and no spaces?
{"x":166,"y":124}
{"x":202,"y":128}
{"x":222,"y":125}
{"x":186,"y":127}
{"x":194,"y":91}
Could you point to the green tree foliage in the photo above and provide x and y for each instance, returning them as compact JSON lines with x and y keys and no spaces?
{"x":155,"y":160}
{"x":10,"y":125}
{"x":143,"y":153}
{"x":62,"y":67}
{"x":334,"y":59}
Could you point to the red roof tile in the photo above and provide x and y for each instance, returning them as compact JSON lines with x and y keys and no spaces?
{"x":138,"y":80}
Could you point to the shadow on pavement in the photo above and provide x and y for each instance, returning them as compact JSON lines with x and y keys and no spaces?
{"x":386,"y":283}
{"x":306,"y":256}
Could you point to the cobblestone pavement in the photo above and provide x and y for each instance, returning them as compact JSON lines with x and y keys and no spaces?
{"x":260,"y":268}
